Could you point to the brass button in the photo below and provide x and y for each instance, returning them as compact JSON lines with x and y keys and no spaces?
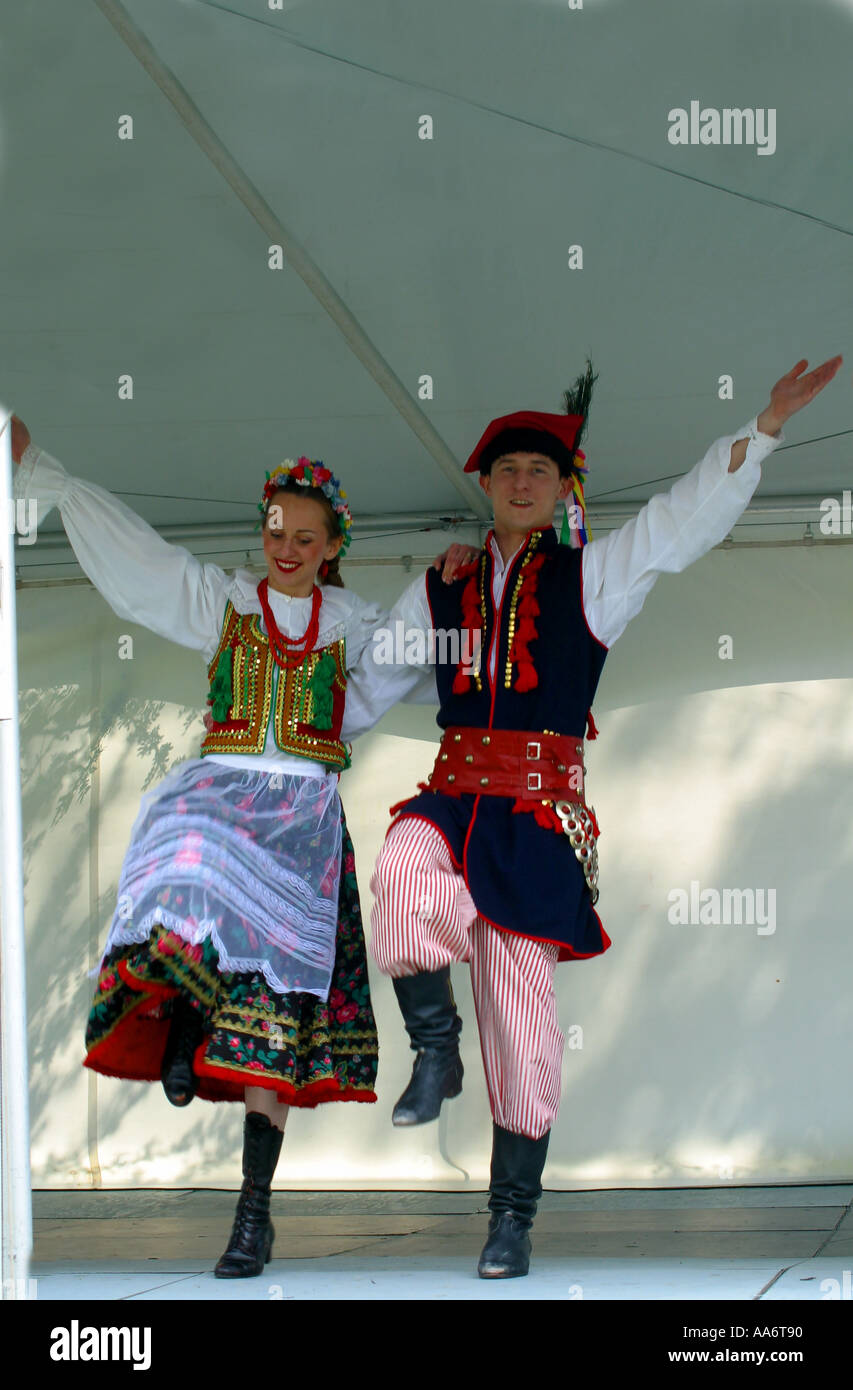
{"x":561,"y":767}
{"x":451,"y":776}
{"x":469,"y":757}
{"x":484,"y":781}
{"x":486,"y":738}
{"x":443,"y":758}
{"x":457,"y":738}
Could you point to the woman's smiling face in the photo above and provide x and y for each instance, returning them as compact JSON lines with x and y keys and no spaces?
{"x":296,"y":542}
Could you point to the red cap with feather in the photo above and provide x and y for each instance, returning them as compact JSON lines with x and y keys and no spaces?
{"x":565,"y":428}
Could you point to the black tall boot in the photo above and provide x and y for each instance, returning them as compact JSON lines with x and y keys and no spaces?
{"x":185,"y":1033}
{"x":252,"y":1234}
{"x":514,"y":1190}
{"x":429,"y":1013}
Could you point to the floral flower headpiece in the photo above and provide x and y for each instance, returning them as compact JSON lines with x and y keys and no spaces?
{"x":310,"y":473}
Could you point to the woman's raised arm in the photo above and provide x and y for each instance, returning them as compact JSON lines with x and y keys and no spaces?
{"x":142,"y":577}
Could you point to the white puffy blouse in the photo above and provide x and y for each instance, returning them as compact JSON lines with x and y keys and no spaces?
{"x":147,"y":580}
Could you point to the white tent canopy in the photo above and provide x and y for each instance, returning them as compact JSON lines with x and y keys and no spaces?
{"x":449,"y":255}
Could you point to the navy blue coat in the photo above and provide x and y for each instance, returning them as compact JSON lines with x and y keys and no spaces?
{"x":522,"y":876}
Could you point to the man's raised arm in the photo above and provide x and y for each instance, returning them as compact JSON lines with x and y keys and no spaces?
{"x":677,"y":527}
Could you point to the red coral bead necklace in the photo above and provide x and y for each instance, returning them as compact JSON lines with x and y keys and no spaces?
{"x":290,"y":652}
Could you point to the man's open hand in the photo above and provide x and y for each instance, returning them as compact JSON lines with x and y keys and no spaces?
{"x":794,"y":390}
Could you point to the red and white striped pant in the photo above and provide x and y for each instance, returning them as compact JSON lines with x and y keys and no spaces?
{"x":424,"y":918}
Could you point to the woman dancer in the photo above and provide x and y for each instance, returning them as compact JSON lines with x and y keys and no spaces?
{"x":235,"y":964}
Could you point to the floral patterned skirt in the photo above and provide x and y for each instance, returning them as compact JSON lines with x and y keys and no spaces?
{"x":306,"y":1050}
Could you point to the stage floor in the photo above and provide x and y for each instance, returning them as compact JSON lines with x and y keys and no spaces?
{"x":768,"y":1243}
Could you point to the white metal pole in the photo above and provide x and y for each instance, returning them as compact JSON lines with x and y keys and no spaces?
{"x":16,"y":1235}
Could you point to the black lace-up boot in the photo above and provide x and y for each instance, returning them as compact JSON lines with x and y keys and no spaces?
{"x":429,"y":1013}
{"x":514,"y":1190}
{"x":252,"y":1234}
{"x":185,"y":1034}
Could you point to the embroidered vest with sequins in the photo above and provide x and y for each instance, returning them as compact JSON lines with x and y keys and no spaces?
{"x":309,"y":703}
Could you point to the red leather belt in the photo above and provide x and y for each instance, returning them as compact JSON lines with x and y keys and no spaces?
{"x":505,"y":762}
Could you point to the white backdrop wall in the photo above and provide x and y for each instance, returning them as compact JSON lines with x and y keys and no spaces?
{"x":702,"y":1053}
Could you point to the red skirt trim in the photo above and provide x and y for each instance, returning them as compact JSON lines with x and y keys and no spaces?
{"x":218,"y":1083}
{"x":133,"y":1051}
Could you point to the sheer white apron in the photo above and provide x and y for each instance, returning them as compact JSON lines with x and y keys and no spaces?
{"x":250,"y":859}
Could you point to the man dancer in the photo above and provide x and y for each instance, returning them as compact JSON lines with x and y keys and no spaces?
{"x":494,"y":861}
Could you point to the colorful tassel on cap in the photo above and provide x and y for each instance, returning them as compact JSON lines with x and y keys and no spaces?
{"x":575,"y":528}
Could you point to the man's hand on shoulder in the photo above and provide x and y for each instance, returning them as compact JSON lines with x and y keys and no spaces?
{"x":454,"y":558}
{"x":20,"y":438}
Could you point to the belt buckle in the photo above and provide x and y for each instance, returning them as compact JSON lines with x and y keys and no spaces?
{"x":534,"y":785}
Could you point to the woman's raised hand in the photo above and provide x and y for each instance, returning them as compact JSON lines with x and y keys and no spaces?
{"x":20,"y":438}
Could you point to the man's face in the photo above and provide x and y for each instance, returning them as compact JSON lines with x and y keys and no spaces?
{"x":524,"y":490}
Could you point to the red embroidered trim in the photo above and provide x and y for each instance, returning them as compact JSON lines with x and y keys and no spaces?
{"x":472,"y":622}
{"x":526,"y":677}
{"x":422,"y":787}
{"x":546,"y":816}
